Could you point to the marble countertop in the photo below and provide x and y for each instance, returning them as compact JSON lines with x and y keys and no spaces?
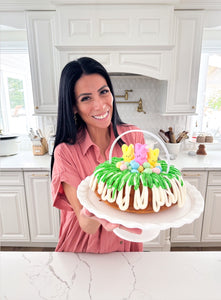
{"x":138,"y":276}
{"x":211,"y":161}
{"x":27,"y":161}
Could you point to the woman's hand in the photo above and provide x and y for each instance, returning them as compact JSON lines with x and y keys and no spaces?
{"x":108,"y":225}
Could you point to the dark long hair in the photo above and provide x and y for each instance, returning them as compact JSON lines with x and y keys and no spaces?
{"x":67,"y":130}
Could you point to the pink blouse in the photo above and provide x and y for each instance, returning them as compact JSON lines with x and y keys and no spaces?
{"x":72,"y":164}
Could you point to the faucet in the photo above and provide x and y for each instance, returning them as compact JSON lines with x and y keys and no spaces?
{"x":140,"y":106}
{"x":125,"y":96}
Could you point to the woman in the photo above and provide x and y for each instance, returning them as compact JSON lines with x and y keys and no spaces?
{"x":88,"y":123}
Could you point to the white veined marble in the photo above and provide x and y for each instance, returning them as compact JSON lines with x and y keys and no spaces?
{"x":27,"y":161}
{"x":135,"y":276}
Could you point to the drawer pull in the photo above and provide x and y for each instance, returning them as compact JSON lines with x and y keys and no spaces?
{"x":191,"y":175}
{"x":39,"y":175}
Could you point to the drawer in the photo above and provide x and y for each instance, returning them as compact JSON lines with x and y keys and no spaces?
{"x":214,"y":178}
{"x":11,"y":178}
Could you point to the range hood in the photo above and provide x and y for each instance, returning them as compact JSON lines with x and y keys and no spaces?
{"x":125,"y":38}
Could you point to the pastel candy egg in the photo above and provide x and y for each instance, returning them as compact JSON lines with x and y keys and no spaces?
{"x":127,"y":163}
{"x":156,"y":170}
{"x":159,"y":167}
{"x":123,"y":167}
{"x":134,"y":164}
{"x":129,"y":167}
{"x":118,"y":164}
{"x":146,"y":165}
{"x":140,"y":169}
{"x":147,"y":170}
{"x":134,"y":171}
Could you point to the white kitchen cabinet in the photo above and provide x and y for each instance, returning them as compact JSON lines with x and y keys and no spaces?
{"x":124,"y":38}
{"x":13,"y":212}
{"x":212,"y":216}
{"x":43,"y":217}
{"x":114,"y":25}
{"x":43,"y":62}
{"x":183,"y":85}
{"x":191,"y":232}
{"x":160,"y":243}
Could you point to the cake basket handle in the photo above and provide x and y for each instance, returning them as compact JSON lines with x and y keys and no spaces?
{"x":144,"y":132}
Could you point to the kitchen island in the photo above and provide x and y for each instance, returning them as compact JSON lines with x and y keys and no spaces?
{"x":138,"y":276}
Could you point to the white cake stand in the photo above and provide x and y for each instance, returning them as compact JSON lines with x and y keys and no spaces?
{"x":151,"y":224}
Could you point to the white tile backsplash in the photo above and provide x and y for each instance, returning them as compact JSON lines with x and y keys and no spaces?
{"x":149,"y":90}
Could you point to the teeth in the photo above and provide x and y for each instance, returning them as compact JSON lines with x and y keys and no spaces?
{"x":101,"y":116}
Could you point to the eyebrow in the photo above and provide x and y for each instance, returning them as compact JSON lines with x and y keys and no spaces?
{"x":87,"y":94}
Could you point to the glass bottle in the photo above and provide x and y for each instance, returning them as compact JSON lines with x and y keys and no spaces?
{"x":195,"y":133}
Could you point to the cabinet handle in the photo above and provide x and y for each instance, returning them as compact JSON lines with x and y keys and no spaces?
{"x":40,"y":175}
{"x":36,"y":107}
{"x":191,"y":175}
{"x":193,"y":107}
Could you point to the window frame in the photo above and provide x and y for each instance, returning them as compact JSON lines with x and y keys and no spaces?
{"x":28,"y":95}
{"x":209,"y":47}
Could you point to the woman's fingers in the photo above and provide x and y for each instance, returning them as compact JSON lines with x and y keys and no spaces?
{"x":108,"y":225}
{"x":132,"y":230}
{"x":86,"y":212}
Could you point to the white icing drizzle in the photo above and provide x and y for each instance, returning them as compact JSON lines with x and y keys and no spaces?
{"x":144,"y":197}
{"x":160,"y":196}
{"x":182,"y":191}
{"x":93,"y":182}
{"x":155,"y":199}
{"x":137,"y":199}
{"x":123,"y":202}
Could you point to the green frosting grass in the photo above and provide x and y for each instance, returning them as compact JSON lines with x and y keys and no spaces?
{"x":116,"y":179}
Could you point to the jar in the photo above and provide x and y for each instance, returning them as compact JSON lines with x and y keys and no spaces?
{"x":51,"y":141}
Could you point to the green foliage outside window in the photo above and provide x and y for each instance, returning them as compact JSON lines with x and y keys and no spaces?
{"x":16,"y":92}
{"x":214,"y":102}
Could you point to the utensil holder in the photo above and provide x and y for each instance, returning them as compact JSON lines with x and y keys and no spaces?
{"x":41,"y":149}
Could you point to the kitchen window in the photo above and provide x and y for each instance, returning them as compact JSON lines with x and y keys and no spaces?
{"x":16,"y":100}
{"x":209,"y":90}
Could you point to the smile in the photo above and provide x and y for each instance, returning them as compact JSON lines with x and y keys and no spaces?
{"x":101,"y":117}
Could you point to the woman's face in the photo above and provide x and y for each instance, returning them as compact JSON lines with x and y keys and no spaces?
{"x":94,"y":101}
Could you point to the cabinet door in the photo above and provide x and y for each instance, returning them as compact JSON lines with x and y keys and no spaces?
{"x":160,"y":243}
{"x":113,"y":25}
{"x":191,"y":232}
{"x":13,"y":214}
{"x":183,"y":85}
{"x":43,"y":217}
{"x":212,"y":219}
{"x":40,"y":30}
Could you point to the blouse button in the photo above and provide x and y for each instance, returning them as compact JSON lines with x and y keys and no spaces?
{"x":121,"y":242}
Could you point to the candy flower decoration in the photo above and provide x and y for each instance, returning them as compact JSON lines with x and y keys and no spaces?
{"x":143,"y":159}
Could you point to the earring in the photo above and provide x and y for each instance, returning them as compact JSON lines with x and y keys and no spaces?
{"x":75,"y":119}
